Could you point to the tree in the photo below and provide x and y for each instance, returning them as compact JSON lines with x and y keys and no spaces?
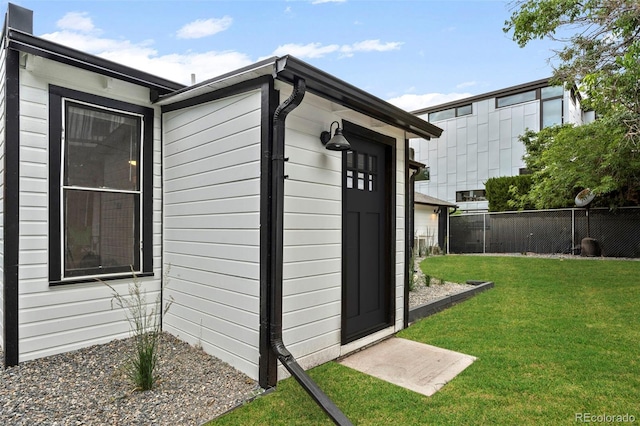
{"x":601,"y":54}
{"x":601,"y":47}
{"x":501,"y":192}
{"x":566,"y":159}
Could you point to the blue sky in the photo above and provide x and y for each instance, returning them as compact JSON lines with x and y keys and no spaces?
{"x":413,"y":53}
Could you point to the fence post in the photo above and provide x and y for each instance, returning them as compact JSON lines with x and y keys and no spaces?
{"x":447,"y":243}
{"x":573,"y":230}
{"x":484,"y":233}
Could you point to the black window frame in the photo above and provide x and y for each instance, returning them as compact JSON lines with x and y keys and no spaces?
{"x":57,"y":96}
{"x":538,"y":96}
{"x":454,"y":112}
{"x":471,"y":196}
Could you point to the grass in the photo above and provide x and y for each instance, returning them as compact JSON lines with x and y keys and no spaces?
{"x":554,"y":338}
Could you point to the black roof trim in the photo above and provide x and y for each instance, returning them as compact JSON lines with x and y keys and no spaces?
{"x":338,"y":91}
{"x":416,"y":165}
{"x":218,"y":78}
{"x":28,"y":43}
{"x":496,"y":93}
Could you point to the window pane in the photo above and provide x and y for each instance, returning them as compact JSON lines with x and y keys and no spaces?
{"x":551,"y":112}
{"x":516,"y":99}
{"x":463,"y":110}
{"x":442,"y":115}
{"x":361,"y":161}
{"x":101,"y":231}
{"x":102,"y":148}
{"x":551,"y":92}
{"x":361,"y":181}
{"x":350,"y":159}
{"x":372,"y":163}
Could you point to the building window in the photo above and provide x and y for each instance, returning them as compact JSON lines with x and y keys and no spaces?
{"x":551,"y":103}
{"x":473,"y":195}
{"x":362,"y":173}
{"x":518,"y":98}
{"x":551,"y":106}
{"x":101,"y":196}
{"x":451,"y":113}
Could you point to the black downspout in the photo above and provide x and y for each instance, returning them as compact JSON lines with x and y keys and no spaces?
{"x":409,"y":177}
{"x":277,"y":226}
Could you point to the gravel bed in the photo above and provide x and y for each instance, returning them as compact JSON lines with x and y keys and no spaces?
{"x":89,"y":387}
{"x":423,"y":294}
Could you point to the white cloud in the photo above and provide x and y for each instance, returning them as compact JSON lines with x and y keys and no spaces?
{"x":466,"y":84}
{"x":317,"y":50}
{"x":327,"y":1}
{"x":412,"y":102}
{"x":369,"y":46}
{"x":76,"y":21}
{"x":204,"y":27}
{"x":310,"y":50}
{"x":143,"y":56}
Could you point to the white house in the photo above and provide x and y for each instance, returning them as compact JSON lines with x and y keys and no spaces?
{"x":431,"y":223}
{"x":222,"y":191}
{"x":480,"y":138}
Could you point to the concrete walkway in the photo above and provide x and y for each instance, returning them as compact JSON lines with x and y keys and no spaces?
{"x":415,"y":366}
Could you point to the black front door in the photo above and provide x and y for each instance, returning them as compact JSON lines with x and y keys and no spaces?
{"x":367,"y":282}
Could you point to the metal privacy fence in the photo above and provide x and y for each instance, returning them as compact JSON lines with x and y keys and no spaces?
{"x":547,"y":231}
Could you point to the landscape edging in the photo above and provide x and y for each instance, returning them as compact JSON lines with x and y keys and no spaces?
{"x":443,"y":303}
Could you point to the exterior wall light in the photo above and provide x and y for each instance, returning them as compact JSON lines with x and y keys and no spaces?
{"x":337,"y":142}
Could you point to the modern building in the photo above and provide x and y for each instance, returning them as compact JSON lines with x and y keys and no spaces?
{"x":480,"y":138}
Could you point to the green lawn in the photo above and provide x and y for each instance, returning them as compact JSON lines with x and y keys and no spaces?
{"x":554,"y":338}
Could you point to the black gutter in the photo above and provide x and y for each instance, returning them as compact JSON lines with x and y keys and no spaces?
{"x":277,"y":229}
{"x":325,"y":85}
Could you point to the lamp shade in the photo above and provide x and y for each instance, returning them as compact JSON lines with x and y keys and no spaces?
{"x":338,"y":142}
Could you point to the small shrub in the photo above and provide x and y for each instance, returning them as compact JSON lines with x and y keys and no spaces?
{"x":145,"y":328}
{"x":427,"y":280}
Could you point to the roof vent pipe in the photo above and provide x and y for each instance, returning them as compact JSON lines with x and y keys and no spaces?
{"x":277,"y":202}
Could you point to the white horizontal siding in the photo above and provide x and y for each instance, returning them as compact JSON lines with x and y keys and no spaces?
{"x":312,"y":269}
{"x":62,"y":318}
{"x":212,"y":227}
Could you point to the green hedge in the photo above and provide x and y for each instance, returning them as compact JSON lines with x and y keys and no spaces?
{"x":499,"y":191}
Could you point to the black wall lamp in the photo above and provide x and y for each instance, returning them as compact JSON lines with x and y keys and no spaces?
{"x":337,"y":142}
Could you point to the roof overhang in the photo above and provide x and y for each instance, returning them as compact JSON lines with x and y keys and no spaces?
{"x":320,"y":83}
{"x":427,"y":200}
{"x":27,"y":43}
{"x":340,"y":92}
